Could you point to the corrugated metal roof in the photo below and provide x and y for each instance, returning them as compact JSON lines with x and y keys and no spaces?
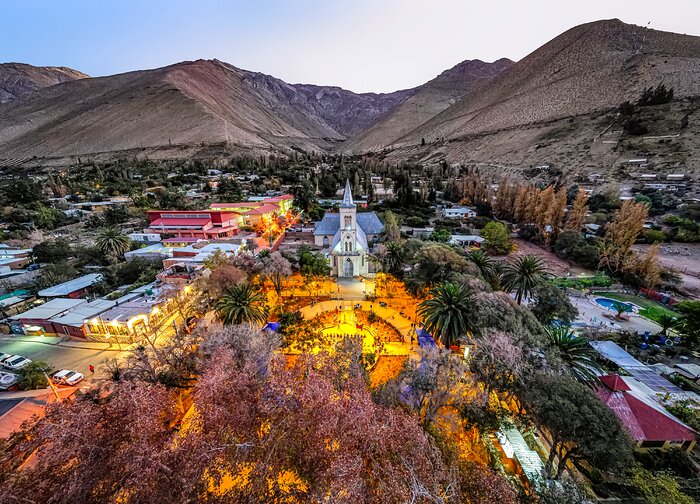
{"x":71,"y":286}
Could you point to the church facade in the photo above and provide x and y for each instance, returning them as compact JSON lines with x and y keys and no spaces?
{"x":346,"y":236}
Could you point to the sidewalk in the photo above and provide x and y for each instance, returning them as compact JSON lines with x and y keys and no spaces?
{"x":60,"y":341}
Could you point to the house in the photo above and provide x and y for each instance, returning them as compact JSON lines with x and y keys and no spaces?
{"x":467,"y":240}
{"x":346,"y":236}
{"x":647,"y":422}
{"x":37,"y":320}
{"x":144,"y":237}
{"x":458,"y":213}
{"x":72,"y":288}
{"x":72,"y":322}
{"x":206,"y":224}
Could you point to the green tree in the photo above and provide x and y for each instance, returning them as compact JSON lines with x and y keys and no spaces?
{"x":550,"y":303}
{"x":112,"y":242}
{"x":689,"y":323}
{"x":522,"y":275}
{"x":446,"y":314}
{"x":242,"y":304}
{"x":575,"y":352}
{"x":580,"y":425}
{"x":33,"y":376}
{"x":497,"y":238}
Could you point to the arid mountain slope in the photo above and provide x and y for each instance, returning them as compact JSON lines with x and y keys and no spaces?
{"x":191,"y":103}
{"x":346,"y":112}
{"x":428,"y":100}
{"x":18,"y":80}
{"x":589,"y":68}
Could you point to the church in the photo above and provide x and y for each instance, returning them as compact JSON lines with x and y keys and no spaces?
{"x":346,"y":237}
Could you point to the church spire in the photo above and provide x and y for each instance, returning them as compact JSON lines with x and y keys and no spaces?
{"x":347,"y":196}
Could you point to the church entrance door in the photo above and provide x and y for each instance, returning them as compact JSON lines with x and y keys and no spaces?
{"x":348,"y":268}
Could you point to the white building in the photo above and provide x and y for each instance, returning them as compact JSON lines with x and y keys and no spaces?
{"x":346,"y":236}
{"x":458,"y":213}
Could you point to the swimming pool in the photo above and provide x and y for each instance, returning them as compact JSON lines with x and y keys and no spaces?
{"x":611,"y":304}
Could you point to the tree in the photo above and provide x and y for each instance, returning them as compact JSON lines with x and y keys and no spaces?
{"x":51,"y":251}
{"x":580,"y":425}
{"x":689,"y":323}
{"x":549,"y":303}
{"x":497,"y":238}
{"x":446,"y":314}
{"x":620,"y":235}
{"x":276,"y":268}
{"x":112,"y":242}
{"x":577,"y":216}
{"x":522,"y":275}
{"x":228,"y":189}
{"x":33,"y":376}
{"x":578,"y":357}
{"x":392,"y":227}
{"x":242,"y":304}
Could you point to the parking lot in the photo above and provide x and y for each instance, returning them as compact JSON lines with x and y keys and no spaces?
{"x":60,"y":356}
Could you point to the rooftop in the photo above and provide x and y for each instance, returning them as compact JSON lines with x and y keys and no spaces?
{"x":71,"y":285}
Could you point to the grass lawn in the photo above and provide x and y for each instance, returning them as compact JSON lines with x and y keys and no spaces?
{"x":651,"y":309}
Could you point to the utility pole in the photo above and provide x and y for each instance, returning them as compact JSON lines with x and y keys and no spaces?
{"x":53,"y":387}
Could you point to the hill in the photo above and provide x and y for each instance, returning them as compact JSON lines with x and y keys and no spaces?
{"x":589,"y":68}
{"x":427,"y":101}
{"x":18,"y":80}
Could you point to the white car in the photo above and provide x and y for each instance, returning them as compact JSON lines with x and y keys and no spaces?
{"x":7,"y":380}
{"x":68,"y":377}
{"x":16,"y":362}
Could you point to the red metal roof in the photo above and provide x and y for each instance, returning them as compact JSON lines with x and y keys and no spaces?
{"x":644,"y":421}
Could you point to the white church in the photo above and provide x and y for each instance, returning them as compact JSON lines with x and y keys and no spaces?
{"x":345,"y":237}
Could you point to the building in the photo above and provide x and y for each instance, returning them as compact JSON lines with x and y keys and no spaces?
{"x":203,"y":224}
{"x":346,"y":237}
{"x":72,"y":288}
{"x":648,"y":423}
{"x":37,"y":320}
{"x":458,"y":213}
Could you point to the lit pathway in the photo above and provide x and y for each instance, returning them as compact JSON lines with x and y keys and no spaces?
{"x":389,"y":315}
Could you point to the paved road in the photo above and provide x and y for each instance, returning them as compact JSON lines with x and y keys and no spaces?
{"x":60,"y":357}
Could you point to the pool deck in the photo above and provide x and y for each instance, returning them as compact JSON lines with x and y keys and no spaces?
{"x":591,"y":313}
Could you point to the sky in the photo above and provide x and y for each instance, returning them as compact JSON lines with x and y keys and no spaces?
{"x":361,"y":45}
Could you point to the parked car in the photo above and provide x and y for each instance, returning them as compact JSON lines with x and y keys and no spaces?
{"x":16,"y":362}
{"x":68,"y":377}
{"x":7,"y":380}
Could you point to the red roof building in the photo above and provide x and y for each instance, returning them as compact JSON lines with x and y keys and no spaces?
{"x":647,"y":422}
{"x":204,"y":224}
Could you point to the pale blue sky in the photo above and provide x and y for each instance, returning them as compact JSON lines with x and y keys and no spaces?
{"x":362,"y":45}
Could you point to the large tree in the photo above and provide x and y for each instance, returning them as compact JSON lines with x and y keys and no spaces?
{"x":242,"y":304}
{"x":446,"y":313}
{"x":581,"y":427}
{"x":522,"y":275}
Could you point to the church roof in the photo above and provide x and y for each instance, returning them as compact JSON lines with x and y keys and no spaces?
{"x":347,"y":196}
{"x":368,"y":221}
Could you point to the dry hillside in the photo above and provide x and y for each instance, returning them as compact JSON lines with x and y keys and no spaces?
{"x":18,"y":80}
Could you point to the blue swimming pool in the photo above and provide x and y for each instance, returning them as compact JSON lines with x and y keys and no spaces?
{"x":611,"y":304}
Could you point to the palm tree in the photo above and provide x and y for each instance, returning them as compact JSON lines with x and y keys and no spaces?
{"x":242,"y":304}
{"x":666,"y":322}
{"x":491,"y":270}
{"x":446,"y":314}
{"x":112,"y":242}
{"x":575,"y":351}
{"x":522,"y":275}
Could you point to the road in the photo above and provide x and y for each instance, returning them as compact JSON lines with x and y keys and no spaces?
{"x":59,"y":356}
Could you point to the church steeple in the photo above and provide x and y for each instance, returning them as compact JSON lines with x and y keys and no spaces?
{"x":347,"y":196}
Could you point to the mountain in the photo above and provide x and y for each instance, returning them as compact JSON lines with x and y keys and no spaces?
{"x":590,"y":68}
{"x":346,"y":112}
{"x":18,"y":80}
{"x":426,"y":102}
